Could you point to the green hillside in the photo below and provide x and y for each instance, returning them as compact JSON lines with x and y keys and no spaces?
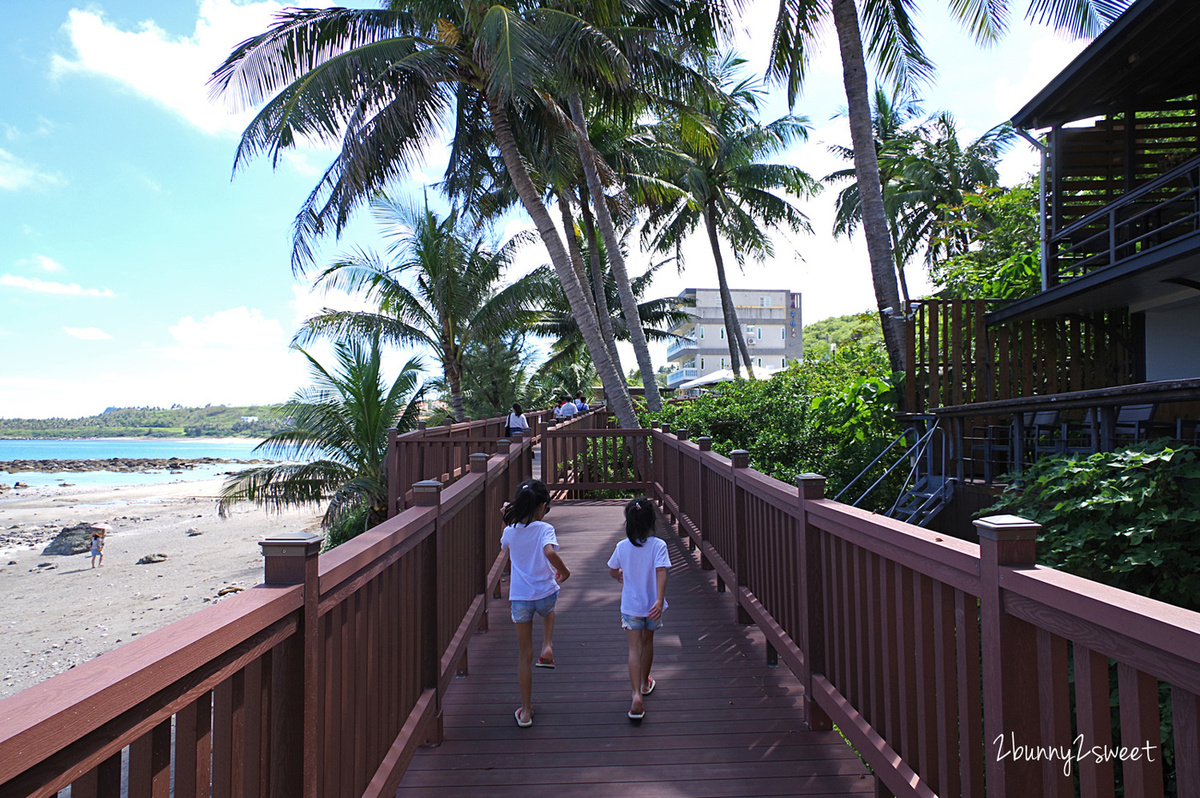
{"x":214,"y":421}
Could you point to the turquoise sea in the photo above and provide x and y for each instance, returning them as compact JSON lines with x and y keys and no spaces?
{"x":102,"y":449}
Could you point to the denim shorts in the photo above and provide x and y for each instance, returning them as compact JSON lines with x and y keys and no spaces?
{"x":523,"y":611}
{"x":632,"y":622}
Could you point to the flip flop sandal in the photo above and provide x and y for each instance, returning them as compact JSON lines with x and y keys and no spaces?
{"x":636,"y":718}
{"x":524,"y":724}
{"x":650,"y":689}
{"x":542,"y":662}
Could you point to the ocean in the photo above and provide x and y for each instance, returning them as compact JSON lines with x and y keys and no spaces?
{"x":102,"y":449}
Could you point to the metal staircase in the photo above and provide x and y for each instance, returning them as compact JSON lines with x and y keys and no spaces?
{"x":926,"y":489}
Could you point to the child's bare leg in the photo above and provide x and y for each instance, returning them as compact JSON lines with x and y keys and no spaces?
{"x":548,"y":636}
{"x":647,"y":658}
{"x":635,"y":669}
{"x":525,"y":667}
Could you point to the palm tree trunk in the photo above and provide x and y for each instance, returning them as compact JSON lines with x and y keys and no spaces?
{"x":733,"y":327}
{"x":454,"y":379}
{"x":633,"y":321}
{"x":866,"y":168}
{"x":602,"y":311}
{"x":610,"y":377}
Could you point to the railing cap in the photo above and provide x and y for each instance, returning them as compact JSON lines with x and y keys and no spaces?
{"x":479,"y":461}
{"x":1007,"y":527}
{"x":290,"y":544}
{"x":740,"y":458}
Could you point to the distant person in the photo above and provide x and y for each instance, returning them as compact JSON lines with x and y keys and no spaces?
{"x":515,"y":424}
{"x":537,"y":572}
{"x":558,"y":409}
{"x":97,"y":546}
{"x":581,"y":404}
{"x":568,"y":409}
{"x":640,"y":564}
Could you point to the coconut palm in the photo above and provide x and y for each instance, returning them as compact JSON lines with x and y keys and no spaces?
{"x":380,"y":84}
{"x":925,"y":173}
{"x":335,"y":444}
{"x":726,"y":186}
{"x":893,"y":44}
{"x":453,"y":301}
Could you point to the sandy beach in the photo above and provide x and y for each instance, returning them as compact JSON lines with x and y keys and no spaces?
{"x":59,"y":611}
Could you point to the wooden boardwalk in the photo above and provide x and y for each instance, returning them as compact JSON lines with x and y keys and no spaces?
{"x":720,"y":723}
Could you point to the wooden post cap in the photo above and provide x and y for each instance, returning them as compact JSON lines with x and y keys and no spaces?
{"x":479,"y":462}
{"x":705,"y":443}
{"x":1007,"y":527}
{"x":682,"y":433}
{"x":812,"y":486}
{"x":666,"y":427}
{"x":740,"y":458}
{"x":503,"y":445}
{"x":422,"y":425}
{"x":1007,"y":540}
{"x":427,"y":492}
{"x":284,"y":556}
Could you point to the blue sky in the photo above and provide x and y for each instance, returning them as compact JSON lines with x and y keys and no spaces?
{"x":134,"y":271}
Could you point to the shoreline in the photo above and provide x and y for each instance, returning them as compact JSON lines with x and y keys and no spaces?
{"x":61,"y":612}
{"x":143,"y":438}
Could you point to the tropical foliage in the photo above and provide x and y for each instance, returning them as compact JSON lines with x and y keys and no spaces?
{"x":335,"y":441}
{"x":455,"y":300}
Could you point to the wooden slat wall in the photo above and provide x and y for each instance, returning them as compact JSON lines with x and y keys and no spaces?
{"x":958,"y":360}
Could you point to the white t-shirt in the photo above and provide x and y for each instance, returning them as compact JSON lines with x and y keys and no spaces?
{"x":517,"y":421}
{"x":532,"y":575}
{"x":568,"y":409}
{"x":638,"y":564}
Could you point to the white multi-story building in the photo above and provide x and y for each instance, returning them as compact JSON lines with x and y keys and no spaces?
{"x":770,"y":319}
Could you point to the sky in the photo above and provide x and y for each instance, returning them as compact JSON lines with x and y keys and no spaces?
{"x":137,"y":270}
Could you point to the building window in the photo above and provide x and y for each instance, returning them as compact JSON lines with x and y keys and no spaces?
{"x":783,"y":361}
{"x":760,"y":333}
{"x":749,"y":330}
{"x":722,"y":362}
{"x":722,"y":333}
{"x":760,"y":362}
{"x":701,"y":363}
{"x":766,"y":302}
{"x":783,"y":333}
{"x":701,"y":331}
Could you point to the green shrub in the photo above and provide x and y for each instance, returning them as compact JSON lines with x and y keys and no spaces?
{"x":1126,"y":519}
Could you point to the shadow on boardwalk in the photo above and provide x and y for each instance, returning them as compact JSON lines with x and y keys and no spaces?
{"x":721,"y":722}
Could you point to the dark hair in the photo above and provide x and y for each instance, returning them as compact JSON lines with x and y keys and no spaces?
{"x":516,"y":408}
{"x":640,"y":520}
{"x":531,"y":494}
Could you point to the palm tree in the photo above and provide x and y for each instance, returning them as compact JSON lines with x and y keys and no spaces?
{"x":924,"y":173}
{"x":725,"y":185}
{"x":893,"y":43}
{"x":381,"y":82}
{"x":336,"y":442}
{"x":656,"y":315}
{"x":453,"y":302}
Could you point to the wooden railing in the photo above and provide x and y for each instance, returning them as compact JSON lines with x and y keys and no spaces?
{"x":444,"y":452}
{"x":586,"y":454}
{"x":321,"y":682}
{"x":937,"y":657}
{"x":956,"y":358}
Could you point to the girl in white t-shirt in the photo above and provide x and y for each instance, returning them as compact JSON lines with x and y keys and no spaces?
{"x":640,"y":564}
{"x":537,"y":571}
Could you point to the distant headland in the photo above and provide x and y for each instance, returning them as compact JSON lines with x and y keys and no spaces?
{"x":212,"y":421}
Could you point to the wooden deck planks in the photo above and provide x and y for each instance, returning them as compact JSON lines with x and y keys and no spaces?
{"x":720,"y":723}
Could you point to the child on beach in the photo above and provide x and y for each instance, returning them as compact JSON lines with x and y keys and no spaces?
{"x":97,"y":546}
{"x":640,"y":564}
{"x":537,"y":571}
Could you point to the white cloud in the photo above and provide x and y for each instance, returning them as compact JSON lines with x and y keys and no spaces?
{"x":169,"y":70}
{"x":16,"y":174}
{"x":42,"y":262}
{"x":238,"y":328}
{"x":87,"y":333}
{"x":38,"y":286}
{"x":1046,"y":56}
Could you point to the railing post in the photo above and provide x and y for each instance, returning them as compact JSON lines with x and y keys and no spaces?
{"x":422,"y":425}
{"x":1010,"y":678}
{"x":705,"y":444}
{"x":393,"y":471}
{"x":810,"y":488}
{"x":291,"y":559}
{"x":740,"y":458}
{"x":428,"y":493}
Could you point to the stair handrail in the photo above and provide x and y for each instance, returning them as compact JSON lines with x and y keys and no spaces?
{"x":923,"y":438}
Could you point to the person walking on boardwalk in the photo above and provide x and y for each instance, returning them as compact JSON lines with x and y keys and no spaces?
{"x":537,"y":572}
{"x":640,"y":564}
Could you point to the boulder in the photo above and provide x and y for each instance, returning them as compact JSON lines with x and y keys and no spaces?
{"x":71,"y":540}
